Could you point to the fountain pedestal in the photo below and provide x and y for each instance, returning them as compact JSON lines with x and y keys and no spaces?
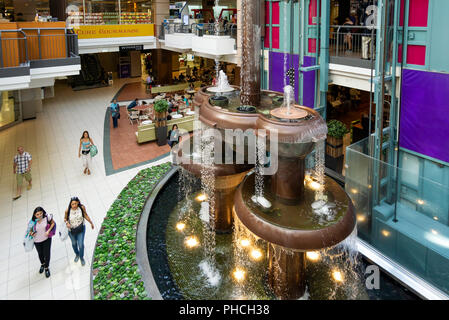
{"x":286,"y":272}
{"x":288,"y":182}
{"x":225,"y":187}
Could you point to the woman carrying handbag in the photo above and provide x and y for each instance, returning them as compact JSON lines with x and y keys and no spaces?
{"x":42,"y":228}
{"x":74,"y":218}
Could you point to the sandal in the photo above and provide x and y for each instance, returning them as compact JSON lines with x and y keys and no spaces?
{"x":85,"y":171}
{"x":88,"y":171}
{"x":16,"y":197}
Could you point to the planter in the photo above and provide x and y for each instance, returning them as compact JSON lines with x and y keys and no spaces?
{"x":334,"y":146}
{"x":161,"y":135}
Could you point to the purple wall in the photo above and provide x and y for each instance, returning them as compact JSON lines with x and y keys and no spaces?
{"x":309,"y":83}
{"x":277,"y":76}
{"x":424,"y":126}
{"x":276,"y":70}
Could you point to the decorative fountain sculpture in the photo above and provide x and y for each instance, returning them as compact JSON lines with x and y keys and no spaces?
{"x":292,"y":214}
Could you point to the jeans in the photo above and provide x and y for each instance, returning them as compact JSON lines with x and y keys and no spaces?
{"x":115,"y":121}
{"x":43,"y":250}
{"x":78,"y":242}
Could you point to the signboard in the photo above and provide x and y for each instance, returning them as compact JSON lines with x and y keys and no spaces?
{"x":114,"y":31}
{"x":133,"y":47}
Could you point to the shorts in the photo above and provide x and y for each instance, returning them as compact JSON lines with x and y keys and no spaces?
{"x":20,"y":176}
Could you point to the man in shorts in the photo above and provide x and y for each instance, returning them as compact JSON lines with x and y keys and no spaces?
{"x":22,"y":169}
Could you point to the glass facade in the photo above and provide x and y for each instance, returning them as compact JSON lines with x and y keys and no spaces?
{"x":408,"y":221}
{"x":90,"y":12}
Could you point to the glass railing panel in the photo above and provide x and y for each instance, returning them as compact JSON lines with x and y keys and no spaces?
{"x":402,"y":213}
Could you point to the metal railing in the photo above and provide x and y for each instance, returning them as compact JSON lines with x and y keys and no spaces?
{"x":352,"y":41}
{"x":13,"y":48}
{"x":18,"y":47}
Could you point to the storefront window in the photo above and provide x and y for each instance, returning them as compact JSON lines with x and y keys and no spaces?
{"x":9,"y":108}
{"x":92,"y":12}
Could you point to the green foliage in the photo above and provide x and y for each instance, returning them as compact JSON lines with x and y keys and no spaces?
{"x":114,"y":266}
{"x":161,"y":106}
{"x":336,"y":129}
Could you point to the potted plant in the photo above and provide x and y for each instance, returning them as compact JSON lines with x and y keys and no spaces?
{"x":334,"y":142}
{"x":160,"y":112}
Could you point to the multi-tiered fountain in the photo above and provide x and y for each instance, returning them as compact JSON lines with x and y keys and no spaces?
{"x":289,"y":212}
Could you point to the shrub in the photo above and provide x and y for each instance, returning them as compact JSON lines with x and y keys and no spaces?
{"x":336,"y":129}
{"x":114,"y":267}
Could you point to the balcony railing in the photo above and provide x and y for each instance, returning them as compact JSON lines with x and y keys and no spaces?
{"x":352,"y":42}
{"x":198,"y":29}
{"x":24,"y":46}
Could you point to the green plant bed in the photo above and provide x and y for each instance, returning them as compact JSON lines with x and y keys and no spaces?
{"x":114,"y":267}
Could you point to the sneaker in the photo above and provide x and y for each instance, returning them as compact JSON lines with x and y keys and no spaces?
{"x":41,"y":269}
{"x":83,"y":262}
{"x":77,"y":258}
{"x":47,"y":273}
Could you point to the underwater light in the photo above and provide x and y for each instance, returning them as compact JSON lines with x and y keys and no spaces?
{"x":313,"y":256}
{"x":435,"y":218}
{"x":354,"y":191}
{"x":338,"y":277}
{"x":385,"y":233}
{"x":191,"y":242}
{"x":245,"y":242}
{"x":421,"y":202}
{"x":256,"y":254}
{"x":361,"y":218}
{"x":201,"y":197}
{"x":180,"y":226}
{"x":239,"y":274}
{"x":314,"y":185}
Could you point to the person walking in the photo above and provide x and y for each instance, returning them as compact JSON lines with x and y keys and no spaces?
{"x":115,"y":113}
{"x":173,"y":136}
{"x":84,"y":151}
{"x":22,"y":169}
{"x":74,"y":219}
{"x":39,"y":228}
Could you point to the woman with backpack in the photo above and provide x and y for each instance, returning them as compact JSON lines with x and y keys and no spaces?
{"x":83,"y":151}
{"x":40,"y":228}
{"x":74,"y":218}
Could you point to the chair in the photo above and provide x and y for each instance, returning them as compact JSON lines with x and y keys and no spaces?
{"x":133,"y":115}
{"x":143,"y":116}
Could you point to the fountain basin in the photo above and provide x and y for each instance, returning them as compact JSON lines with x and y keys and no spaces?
{"x":220,"y":101}
{"x":294,"y":227}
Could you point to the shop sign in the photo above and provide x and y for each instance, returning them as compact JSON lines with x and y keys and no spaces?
{"x":136,"y":47}
{"x":114,"y":31}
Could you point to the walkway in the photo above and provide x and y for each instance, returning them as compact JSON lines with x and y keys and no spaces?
{"x":52,"y":140}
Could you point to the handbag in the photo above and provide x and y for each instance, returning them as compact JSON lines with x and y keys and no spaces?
{"x":75,"y":231}
{"x":64,"y":233}
{"x":28,"y":243}
{"x":53,"y":231}
{"x":93,"y":151}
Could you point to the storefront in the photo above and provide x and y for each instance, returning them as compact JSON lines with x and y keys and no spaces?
{"x":89,"y":12}
{"x":10,"y":111}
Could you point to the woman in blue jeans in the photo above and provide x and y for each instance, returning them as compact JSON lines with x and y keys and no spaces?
{"x":74,"y":218}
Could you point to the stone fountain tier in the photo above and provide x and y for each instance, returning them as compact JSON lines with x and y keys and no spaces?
{"x":288,"y":239}
{"x":227,"y":178}
{"x":204,"y":94}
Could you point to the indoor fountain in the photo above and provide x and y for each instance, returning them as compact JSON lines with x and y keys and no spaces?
{"x":249,"y":234}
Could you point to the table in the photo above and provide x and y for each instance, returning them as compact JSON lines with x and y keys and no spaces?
{"x":176,"y":116}
{"x":147,"y":122}
{"x":189,"y":113}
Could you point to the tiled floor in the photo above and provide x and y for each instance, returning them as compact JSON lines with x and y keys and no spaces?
{"x":125,"y":151}
{"x":132,"y":91}
{"x":52,"y":139}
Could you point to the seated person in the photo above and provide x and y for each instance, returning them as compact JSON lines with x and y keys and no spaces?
{"x":173,"y":136}
{"x":133,"y":104}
